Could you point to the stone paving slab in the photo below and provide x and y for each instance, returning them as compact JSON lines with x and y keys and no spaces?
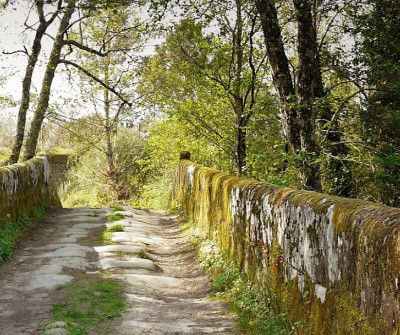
{"x":132,"y":249}
{"x":150,"y":281}
{"x":133,"y":263}
{"x":132,"y":238}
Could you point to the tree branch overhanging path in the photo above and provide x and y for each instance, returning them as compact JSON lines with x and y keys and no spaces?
{"x":54,"y":60}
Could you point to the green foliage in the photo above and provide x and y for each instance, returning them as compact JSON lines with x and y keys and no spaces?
{"x":258,"y":313}
{"x":4,"y":155}
{"x":88,"y":301}
{"x":118,"y":209}
{"x":106,"y":236}
{"x":155,"y":193}
{"x":39,"y":211}
{"x":377,"y":61}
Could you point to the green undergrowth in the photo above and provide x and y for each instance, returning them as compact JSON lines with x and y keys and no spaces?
{"x":11,"y":231}
{"x":118,"y":209}
{"x":258,"y":313}
{"x":88,"y":301}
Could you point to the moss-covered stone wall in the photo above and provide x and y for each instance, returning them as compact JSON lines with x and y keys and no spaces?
{"x":25,"y":185}
{"x":333,"y":263}
{"x":59,"y":165}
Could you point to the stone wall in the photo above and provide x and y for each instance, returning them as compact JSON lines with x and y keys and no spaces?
{"x":332,"y":262}
{"x":59,"y":164}
{"x":25,"y":185}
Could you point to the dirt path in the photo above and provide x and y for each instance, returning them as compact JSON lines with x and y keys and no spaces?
{"x":165,"y":289}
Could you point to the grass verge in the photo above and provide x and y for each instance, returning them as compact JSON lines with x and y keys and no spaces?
{"x":11,"y":231}
{"x":259,"y":313}
{"x":88,"y":301}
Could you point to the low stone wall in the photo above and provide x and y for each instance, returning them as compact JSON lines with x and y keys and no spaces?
{"x":333,"y":262}
{"x":25,"y":185}
{"x":59,"y":164}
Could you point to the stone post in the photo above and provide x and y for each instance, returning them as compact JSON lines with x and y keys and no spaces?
{"x":184,"y":155}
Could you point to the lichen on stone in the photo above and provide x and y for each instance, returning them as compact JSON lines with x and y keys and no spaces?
{"x":10,"y":181}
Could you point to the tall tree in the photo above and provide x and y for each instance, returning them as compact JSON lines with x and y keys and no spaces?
{"x":44,"y":97}
{"x":118,"y":38}
{"x":56,"y":58}
{"x":296,"y":97}
{"x":228,"y":56}
{"x":26,"y":83}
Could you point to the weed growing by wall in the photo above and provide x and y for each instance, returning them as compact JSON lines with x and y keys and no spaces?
{"x":10,"y":231}
{"x":258,"y":313}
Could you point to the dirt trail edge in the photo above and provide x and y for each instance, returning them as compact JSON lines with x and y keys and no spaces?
{"x":166,"y":291}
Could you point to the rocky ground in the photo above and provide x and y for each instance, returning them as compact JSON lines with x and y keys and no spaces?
{"x":165,"y":290}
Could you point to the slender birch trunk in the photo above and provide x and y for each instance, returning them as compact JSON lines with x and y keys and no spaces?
{"x":27,"y":81}
{"x":44,"y":97}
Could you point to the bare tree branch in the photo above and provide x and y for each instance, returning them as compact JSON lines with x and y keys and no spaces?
{"x":85,"y":48}
{"x":25,"y":52}
{"x":98,"y":80}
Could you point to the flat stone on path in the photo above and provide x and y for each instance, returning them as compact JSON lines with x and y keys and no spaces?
{"x":132,"y":249}
{"x":152,"y":282}
{"x":133,"y":263}
{"x":56,"y":331}
{"x":131,"y":237}
{"x":47,"y":280}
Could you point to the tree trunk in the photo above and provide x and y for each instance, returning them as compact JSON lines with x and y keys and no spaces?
{"x":241,"y":151}
{"x":307,"y":56}
{"x":295,"y":105}
{"x":121,"y":191}
{"x":237,"y":93}
{"x":280,"y":70}
{"x":44,"y":97}
{"x":26,"y":83}
{"x":107,"y":128}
